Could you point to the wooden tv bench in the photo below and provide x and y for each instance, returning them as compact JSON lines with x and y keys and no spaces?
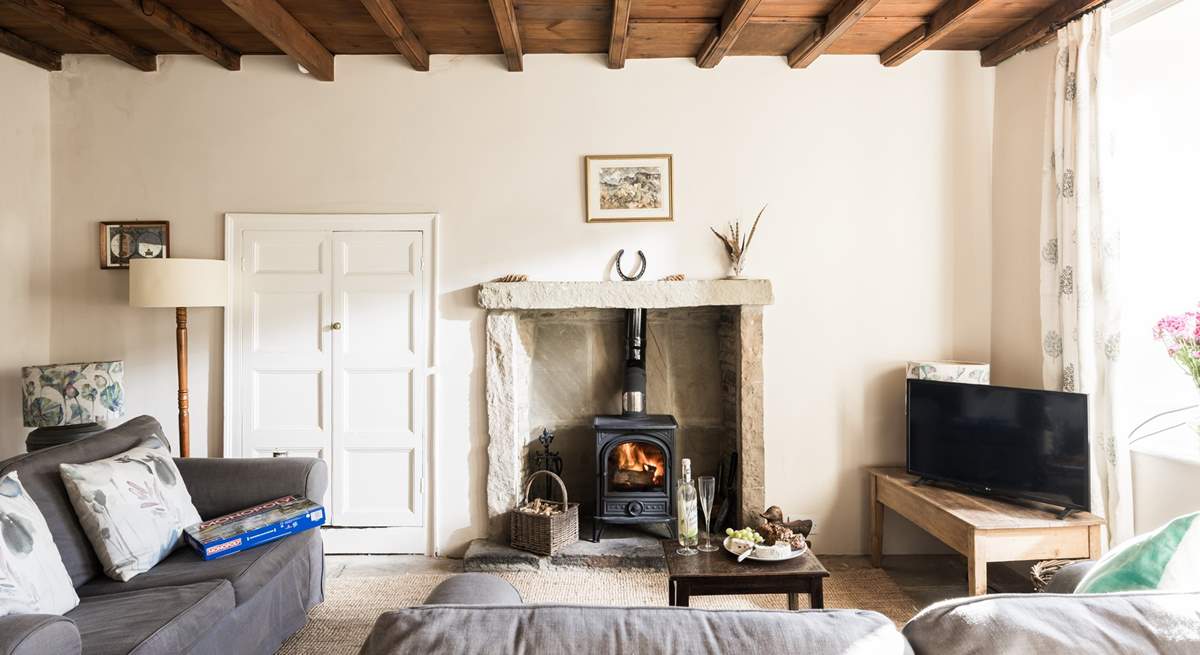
{"x":981,"y":528}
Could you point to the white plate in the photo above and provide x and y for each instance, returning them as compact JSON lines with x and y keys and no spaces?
{"x":794,"y":555}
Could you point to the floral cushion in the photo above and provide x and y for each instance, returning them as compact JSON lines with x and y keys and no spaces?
{"x":33,"y":579}
{"x":133,"y":507}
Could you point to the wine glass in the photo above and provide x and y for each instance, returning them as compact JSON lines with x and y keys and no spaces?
{"x":708,"y":487}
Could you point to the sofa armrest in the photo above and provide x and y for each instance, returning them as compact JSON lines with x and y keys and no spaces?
{"x":474,"y":589}
{"x":35,"y":634}
{"x":1068,"y":577}
{"x":221,"y":486}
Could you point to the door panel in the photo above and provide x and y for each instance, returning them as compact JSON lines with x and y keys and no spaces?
{"x":286,"y":358}
{"x":378,"y":323}
{"x":378,"y":441}
{"x":287,"y":400}
{"x":288,"y":322}
{"x":378,"y":401}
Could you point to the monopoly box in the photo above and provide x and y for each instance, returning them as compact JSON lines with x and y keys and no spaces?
{"x":232,"y":533}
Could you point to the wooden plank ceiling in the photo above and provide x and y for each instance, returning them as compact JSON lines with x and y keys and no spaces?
{"x":313,"y":31}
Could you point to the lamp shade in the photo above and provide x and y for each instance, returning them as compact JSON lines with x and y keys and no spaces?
{"x":72,"y":394}
{"x":177,"y":282}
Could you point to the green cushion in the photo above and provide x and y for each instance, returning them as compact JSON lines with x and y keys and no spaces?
{"x":1167,"y":559}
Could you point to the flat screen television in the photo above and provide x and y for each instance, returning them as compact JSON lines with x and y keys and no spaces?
{"x":1020,"y":443}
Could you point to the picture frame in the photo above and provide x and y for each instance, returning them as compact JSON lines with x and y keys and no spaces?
{"x":126,"y":240}
{"x":629,"y":188}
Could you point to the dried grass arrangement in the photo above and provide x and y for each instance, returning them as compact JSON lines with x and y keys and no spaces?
{"x":736,"y":243}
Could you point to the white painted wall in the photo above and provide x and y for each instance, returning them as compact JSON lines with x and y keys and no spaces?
{"x":24,"y":237}
{"x":875,"y":238}
{"x":1022,"y":93}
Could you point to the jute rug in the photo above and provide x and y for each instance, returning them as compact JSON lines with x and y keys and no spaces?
{"x":341,"y":623}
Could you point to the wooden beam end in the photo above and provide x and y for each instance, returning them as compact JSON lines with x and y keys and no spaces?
{"x":906,"y":48}
{"x":281,"y":28}
{"x":29,"y":52}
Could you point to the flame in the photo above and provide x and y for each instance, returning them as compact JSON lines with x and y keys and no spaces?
{"x":635,"y":456}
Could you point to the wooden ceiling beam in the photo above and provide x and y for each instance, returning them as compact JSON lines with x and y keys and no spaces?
{"x":510,"y":34}
{"x":29,"y":52}
{"x":736,"y":17}
{"x":98,"y":37}
{"x":948,"y":17}
{"x":178,"y":28}
{"x":618,"y":43}
{"x":387,"y":15}
{"x":281,"y":28}
{"x":841,"y":19}
{"x":1037,"y":29}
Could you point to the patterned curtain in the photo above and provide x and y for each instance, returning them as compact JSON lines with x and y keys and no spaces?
{"x":1081,"y":258}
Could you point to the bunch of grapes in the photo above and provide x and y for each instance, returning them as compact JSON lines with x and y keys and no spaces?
{"x":745,"y":534}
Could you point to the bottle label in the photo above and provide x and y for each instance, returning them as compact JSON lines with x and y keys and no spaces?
{"x":688,"y":522}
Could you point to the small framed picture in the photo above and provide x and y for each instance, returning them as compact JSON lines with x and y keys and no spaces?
{"x":121,"y":242}
{"x":629,"y":188}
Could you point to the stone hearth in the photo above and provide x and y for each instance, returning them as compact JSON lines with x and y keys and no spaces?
{"x":554,"y":359}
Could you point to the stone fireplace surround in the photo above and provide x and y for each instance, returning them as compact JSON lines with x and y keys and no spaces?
{"x":516,"y":311}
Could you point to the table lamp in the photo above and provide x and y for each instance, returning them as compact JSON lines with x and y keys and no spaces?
{"x":178,"y":283}
{"x":66,"y":402}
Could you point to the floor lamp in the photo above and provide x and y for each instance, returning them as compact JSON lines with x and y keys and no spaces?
{"x":178,"y":283}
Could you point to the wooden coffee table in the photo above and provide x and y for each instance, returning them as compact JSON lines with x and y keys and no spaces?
{"x":720,"y":574}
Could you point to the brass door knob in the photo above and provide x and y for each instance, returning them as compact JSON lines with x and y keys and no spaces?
{"x":337,"y":325}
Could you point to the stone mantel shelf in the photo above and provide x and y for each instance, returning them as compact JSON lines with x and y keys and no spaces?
{"x":623,"y":295}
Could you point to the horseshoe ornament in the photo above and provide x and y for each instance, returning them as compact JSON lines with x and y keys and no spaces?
{"x":640,"y":271}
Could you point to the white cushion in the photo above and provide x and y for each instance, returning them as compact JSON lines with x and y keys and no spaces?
{"x":33,"y":579}
{"x":133,"y":507}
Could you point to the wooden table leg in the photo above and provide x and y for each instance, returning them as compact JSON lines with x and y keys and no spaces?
{"x":682,"y":594}
{"x":671,"y":592}
{"x":1095,"y":548}
{"x":876,"y":525}
{"x":793,"y":601}
{"x":976,"y":571}
{"x":816,"y":594}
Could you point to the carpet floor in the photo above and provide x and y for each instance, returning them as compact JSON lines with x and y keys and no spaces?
{"x":341,"y":623}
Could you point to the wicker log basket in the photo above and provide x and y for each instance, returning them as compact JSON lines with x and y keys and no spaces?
{"x":1042,"y":572}
{"x":544,"y":527}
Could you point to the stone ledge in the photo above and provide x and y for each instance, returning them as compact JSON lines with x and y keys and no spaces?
{"x":624,"y":295}
{"x":622,"y":547}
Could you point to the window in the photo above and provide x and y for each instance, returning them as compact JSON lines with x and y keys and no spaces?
{"x":1156,"y":192}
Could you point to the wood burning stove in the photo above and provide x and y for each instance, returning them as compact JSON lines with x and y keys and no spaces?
{"x":635,"y":481}
{"x":634,"y":451}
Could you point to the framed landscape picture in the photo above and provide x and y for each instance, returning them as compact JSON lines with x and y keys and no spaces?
{"x":121,"y":242}
{"x":629,"y":188}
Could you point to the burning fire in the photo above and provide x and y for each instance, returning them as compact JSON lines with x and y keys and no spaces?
{"x":644,"y":458}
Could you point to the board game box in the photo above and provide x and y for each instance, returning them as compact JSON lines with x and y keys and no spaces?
{"x":232,"y":533}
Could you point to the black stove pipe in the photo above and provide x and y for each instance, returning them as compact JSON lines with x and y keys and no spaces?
{"x":633,"y":395}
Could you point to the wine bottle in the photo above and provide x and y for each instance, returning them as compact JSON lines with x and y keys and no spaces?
{"x":686,"y":504}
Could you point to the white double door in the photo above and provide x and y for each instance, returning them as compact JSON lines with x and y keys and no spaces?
{"x":330,"y":365}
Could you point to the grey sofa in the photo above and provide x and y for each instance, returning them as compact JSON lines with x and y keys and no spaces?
{"x":248,"y":602}
{"x":480,"y":613}
{"x":477,"y":613}
{"x":1059,"y":621}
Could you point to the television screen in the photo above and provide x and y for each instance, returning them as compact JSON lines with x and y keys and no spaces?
{"x":1017,"y":442}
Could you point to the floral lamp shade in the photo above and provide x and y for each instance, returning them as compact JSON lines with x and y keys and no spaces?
{"x":72,"y":394}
